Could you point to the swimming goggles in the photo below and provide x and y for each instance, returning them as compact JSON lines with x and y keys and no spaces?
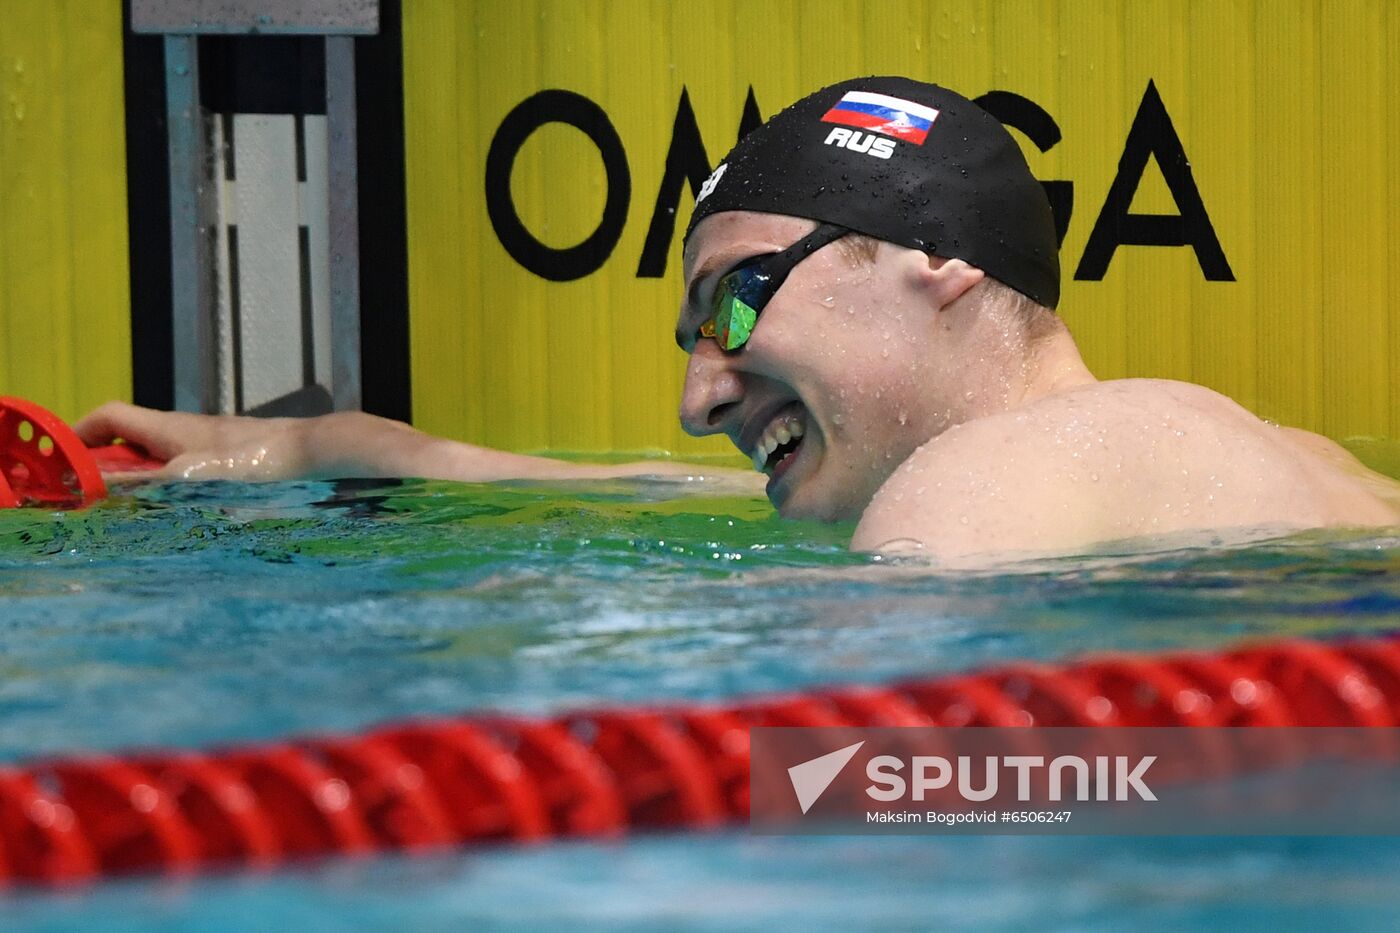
{"x":744,"y":291}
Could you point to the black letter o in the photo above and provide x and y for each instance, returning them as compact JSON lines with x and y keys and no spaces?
{"x":554,"y":106}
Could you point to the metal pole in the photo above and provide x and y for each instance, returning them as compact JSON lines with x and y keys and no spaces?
{"x":192,"y":209}
{"x":344,"y":222}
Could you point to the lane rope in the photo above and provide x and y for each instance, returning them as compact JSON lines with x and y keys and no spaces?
{"x":435,"y":783}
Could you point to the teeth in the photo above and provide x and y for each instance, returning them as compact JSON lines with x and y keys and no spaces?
{"x":781,"y":431}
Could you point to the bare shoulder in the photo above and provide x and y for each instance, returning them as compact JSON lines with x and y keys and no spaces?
{"x":1026,"y":480}
{"x":1115,"y":460}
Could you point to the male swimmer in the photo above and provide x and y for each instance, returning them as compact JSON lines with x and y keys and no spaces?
{"x":870,"y":285}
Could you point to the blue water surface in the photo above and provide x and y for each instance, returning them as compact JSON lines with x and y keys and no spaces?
{"x":198,"y":614}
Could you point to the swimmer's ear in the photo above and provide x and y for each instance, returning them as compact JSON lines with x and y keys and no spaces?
{"x":944,"y":281}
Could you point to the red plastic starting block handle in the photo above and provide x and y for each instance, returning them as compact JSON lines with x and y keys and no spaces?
{"x":123,"y":458}
{"x":43,"y":463}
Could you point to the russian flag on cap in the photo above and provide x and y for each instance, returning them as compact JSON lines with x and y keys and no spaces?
{"x":880,"y":113}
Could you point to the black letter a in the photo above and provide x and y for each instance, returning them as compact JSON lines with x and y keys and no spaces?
{"x":685,"y":161}
{"x":1152,"y":135}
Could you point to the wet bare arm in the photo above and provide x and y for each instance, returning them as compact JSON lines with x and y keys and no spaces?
{"x":343,"y":444}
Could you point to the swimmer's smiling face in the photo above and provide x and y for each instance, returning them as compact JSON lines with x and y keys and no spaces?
{"x":839,"y":382}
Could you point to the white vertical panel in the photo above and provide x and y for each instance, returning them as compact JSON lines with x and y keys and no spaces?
{"x":315,"y":215}
{"x":269,"y":282}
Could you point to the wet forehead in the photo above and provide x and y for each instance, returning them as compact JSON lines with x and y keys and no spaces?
{"x":739,"y":234}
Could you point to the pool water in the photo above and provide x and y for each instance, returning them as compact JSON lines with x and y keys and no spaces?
{"x":189,"y":615}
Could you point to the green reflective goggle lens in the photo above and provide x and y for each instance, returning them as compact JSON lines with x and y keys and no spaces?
{"x":735,"y":318}
{"x":745,"y":291}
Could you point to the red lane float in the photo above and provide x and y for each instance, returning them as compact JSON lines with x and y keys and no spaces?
{"x":430,"y":784}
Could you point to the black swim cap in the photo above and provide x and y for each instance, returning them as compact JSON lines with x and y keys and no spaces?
{"x":903,"y":161}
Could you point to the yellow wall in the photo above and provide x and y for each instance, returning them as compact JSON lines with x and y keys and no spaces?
{"x":1285,"y":109}
{"x":64,"y":300}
